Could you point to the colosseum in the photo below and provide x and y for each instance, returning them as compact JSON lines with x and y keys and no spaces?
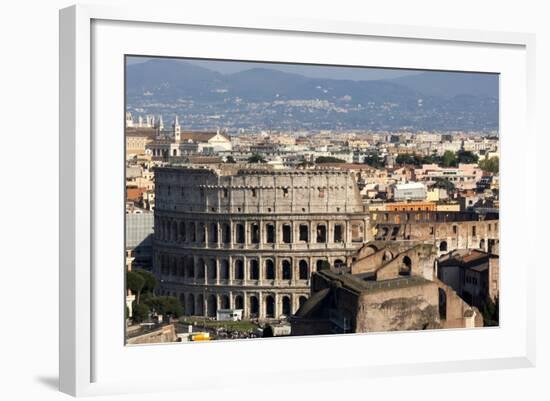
{"x":250,"y":238}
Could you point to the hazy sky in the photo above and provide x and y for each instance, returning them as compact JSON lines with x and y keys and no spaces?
{"x":312,"y":71}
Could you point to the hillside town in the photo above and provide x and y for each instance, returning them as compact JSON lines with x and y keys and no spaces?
{"x":279,"y":233}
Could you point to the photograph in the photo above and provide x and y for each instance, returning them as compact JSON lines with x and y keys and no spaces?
{"x":269,"y":199}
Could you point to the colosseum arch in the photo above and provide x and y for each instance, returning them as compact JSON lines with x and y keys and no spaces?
{"x":192,"y":232}
{"x":286,"y":269}
{"x":303,"y":270}
{"x":269,"y":306}
{"x":224,"y":269}
{"x":239,"y":269}
{"x":224,"y":301}
{"x":269,"y":269}
{"x":190,"y":273}
{"x":302,"y":300}
{"x":254,"y":306}
{"x":239,"y":302}
{"x":174,"y":233}
{"x":287,"y":310}
{"x":182,"y":232}
{"x":211,"y":305}
{"x":199,"y":305}
{"x":212,"y":269}
{"x":200,"y":269}
{"x":254,"y":269}
{"x":190,"y":305}
{"x":213,"y":233}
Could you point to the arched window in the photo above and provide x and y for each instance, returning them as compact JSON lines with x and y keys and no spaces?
{"x":239,"y":269}
{"x":286,"y":270}
{"x":199,"y":305}
{"x":406,"y":267}
{"x":304,"y":270}
{"x":200,"y":269}
{"x":239,"y":303}
{"x":254,"y":307}
{"x":212,"y":273}
{"x":302,"y":300}
{"x":224,"y":302}
{"x":286,"y":306}
{"x":211,"y":306}
{"x":254,"y":270}
{"x":224,"y":269}
{"x":190,"y":305}
{"x":443,"y":246}
{"x":269,"y":307}
{"x":269,"y":270}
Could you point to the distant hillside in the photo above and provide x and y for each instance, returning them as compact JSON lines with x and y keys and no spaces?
{"x":261,"y":97}
{"x":450,"y":84}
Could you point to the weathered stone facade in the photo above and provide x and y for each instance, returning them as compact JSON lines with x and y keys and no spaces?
{"x":243,"y":238}
{"x":390,"y":287}
{"x":447,"y":230}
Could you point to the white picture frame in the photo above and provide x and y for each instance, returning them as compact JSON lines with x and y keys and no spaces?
{"x":91,"y":363}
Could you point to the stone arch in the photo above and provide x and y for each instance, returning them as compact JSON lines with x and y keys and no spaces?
{"x":338,"y":263}
{"x":174,"y":233}
{"x":303,"y":270}
{"x":239,"y":302}
{"x":387,"y":256}
{"x":212,"y":269}
{"x":239,"y":269}
{"x":199,"y":305}
{"x":189,"y":271}
{"x":224,"y":301}
{"x":200,"y":269}
{"x":182,"y":231}
{"x":443,"y":246}
{"x":224,"y":269}
{"x":269,"y":269}
{"x":254,"y":269}
{"x":211,"y":305}
{"x":286,"y":269}
{"x":174,"y":152}
{"x":302,"y":300}
{"x":286,"y":305}
{"x":269,"y":307}
{"x":254,"y":306}
{"x":190,"y":305}
{"x":406,"y":266}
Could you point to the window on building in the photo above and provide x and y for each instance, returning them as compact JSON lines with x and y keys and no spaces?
{"x":304,"y":229}
{"x":287,"y":237}
{"x":321,"y":233}
{"x":474,"y":231}
{"x":240,"y":233}
{"x":285,"y":192}
{"x":270,"y":233}
{"x":269,"y":269}
{"x":253,"y":192}
{"x":303,"y":270}
{"x":286,"y":270}
{"x":225,"y":193}
{"x":255,"y":232}
{"x":338,"y":237}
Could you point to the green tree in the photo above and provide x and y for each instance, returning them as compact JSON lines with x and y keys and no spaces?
{"x":466,"y":157}
{"x":140,"y":312}
{"x":135,"y":283}
{"x":448,"y":159}
{"x":256,"y":158}
{"x":490,"y":165}
{"x":373,"y":160}
{"x":170,"y":306}
{"x":328,"y":159}
{"x":445,"y":184}
{"x":150,"y":281}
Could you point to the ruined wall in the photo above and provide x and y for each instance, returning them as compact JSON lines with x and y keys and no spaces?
{"x":410,"y":308}
{"x":165,"y":334}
